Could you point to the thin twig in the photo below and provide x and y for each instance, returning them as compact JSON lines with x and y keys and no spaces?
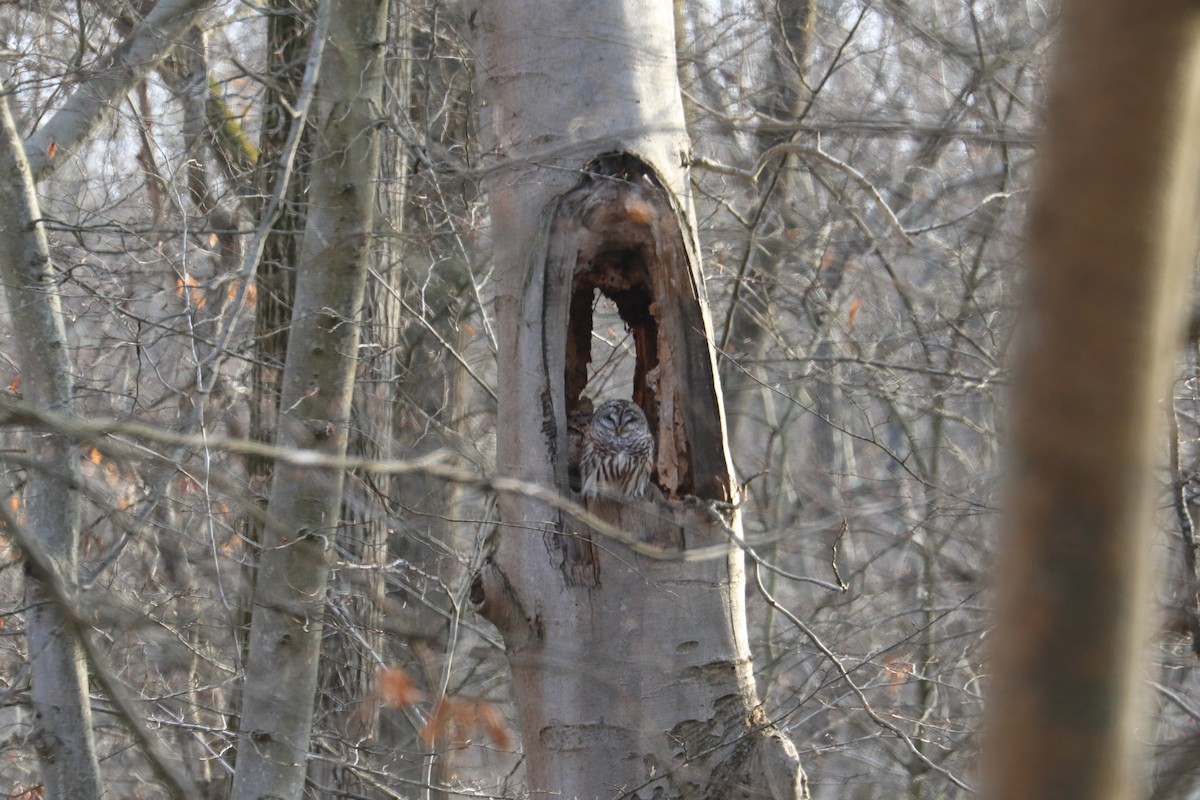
{"x":862,"y":698}
{"x":786,"y":148}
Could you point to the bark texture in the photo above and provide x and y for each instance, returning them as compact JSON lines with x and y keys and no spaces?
{"x":1112,"y":239}
{"x":62,"y":709}
{"x":304,"y":504}
{"x":630,"y":662}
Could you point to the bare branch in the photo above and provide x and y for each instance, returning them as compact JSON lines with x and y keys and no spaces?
{"x":125,"y":67}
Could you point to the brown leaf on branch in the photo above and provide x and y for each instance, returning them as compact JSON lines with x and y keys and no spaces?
{"x":855,"y":305}
{"x":396,"y":689}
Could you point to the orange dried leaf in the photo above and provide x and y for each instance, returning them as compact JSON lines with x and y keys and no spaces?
{"x":194,"y":293}
{"x":855,"y":305}
{"x":15,"y":385}
{"x":251,"y":292}
{"x":492,"y":722}
{"x":896,"y":673}
{"x":95,"y":456}
{"x":396,"y":689}
{"x":439,"y":719}
{"x":462,"y":723}
{"x":51,"y":150}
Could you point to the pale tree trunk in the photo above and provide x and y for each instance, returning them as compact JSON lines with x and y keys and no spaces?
{"x":318,"y":383}
{"x":631,"y":670}
{"x":353,"y":652}
{"x":1112,"y":241}
{"x":62,"y":710}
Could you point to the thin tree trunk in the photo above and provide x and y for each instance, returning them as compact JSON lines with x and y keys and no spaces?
{"x":1112,"y":240}
{"x":62,"y":710}
{"x":289,"y":28}
{"x":632,"y":673}
{"x":353,"y":651}
{"x":318,"y":383}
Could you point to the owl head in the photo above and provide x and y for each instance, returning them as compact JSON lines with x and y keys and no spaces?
{"x":620,"y":419}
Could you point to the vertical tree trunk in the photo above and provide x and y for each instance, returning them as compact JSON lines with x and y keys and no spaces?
{"x":1112,"y":240}
{"x":304,"y":505}
{"x":288,"y":42}
{"x":62,"y":710}
{"x":289,"y":28}
{"x":350,"y":660}
{"x":632,"y":674}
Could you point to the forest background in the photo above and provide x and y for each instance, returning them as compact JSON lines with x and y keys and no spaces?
{"x":860,"y":174}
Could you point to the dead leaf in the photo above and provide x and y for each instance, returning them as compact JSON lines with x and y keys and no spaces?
{"x":396,"y":689}
{"x":492,"y":722}
{"x":855,"y":305}
{"x":438,"y":720}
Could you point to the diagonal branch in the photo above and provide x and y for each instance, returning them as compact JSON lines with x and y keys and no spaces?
{"x":41,"y":566}
{"x":122,"y":69}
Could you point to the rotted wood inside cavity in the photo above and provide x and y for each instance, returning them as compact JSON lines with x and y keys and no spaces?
{"x":626,"y":241}
{"x":622,"y":277}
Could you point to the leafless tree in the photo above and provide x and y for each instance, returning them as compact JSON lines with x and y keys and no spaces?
{"x":850,"y":183}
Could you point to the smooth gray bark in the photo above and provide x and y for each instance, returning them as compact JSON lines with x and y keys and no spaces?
{"x":632,"y":673}
{"x":318,"y":383}
{"x":62,"y":710}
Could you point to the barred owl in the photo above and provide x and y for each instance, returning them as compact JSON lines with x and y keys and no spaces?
{"x":618,"y":452}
